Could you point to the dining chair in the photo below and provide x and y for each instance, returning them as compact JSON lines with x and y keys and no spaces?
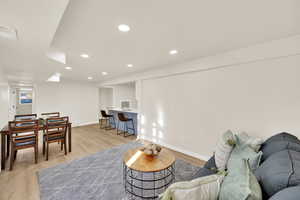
{"x":51,"y":114}
{"x":25,"y":117}
{"x":23,"y":134}
{"x":55,"y":131}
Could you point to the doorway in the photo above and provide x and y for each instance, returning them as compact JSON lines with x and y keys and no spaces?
{"x":21,"y":101}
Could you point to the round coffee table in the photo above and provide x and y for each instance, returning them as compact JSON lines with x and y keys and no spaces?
{"x":145,"y":177}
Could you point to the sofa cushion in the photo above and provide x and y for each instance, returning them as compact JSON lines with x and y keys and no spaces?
{"x":207,"y":187}
{"x":209,"y":168}
{"x":211,"y":164}
{"x":252,"y":142}
{"x":203,"y":172}
{"x":236,"y":158}
{"x":241,"y":186}
{"x":223,"y":150}
{"x":279,"y":171}
{"x":240,"y":152}
{"x":282,"y":137}
{"x":290,"y":193}
{"x":273,"y":147}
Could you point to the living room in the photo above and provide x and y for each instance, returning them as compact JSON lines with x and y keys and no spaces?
{"x":143,"y":94}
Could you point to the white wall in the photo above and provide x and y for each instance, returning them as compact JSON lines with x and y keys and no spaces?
{"x":260,"y":98}
{"x":4,"y":103}
{"x":105,"y":98}
{"x":188,"y":106}
{"x":77,"y":100}
{"x":124,"y":92}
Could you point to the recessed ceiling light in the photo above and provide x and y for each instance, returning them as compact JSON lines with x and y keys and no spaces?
{"x":130,"y":65}
{"x":104,"y":73}
{"x":68,"y":68}
{"x":124,"y":28}
{"x":84,"y":55}
{"x":90,"y":78}
{"x":173,"y":52}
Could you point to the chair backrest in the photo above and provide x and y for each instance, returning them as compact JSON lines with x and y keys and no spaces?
{"x":103,"y":113}
{"x":25,"y":117}
{"x":24,"y":126}
{"x":122,"y":117}
{"x":57,"y":126}
{"x":51,"y":114}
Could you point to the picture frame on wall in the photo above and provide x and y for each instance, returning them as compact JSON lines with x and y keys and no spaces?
{"x":25,"y":98}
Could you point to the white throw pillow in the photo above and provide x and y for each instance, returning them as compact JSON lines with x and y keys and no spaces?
{"x":203,"y":188}
{"x":223,"y":150}
{"x":253,"y":142}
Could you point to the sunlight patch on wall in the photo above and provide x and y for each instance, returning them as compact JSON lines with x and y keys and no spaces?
{"x":154,"y":131}
{"x":156,"y":128}
{"x":160,"y":134}
{"x":160,"y":119}
{"x":143,"y":120}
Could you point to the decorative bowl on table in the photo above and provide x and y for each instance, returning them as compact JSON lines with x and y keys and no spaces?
{"x":151,"y":149}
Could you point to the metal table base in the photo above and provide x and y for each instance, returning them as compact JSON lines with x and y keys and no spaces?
{"x":147,"y":185}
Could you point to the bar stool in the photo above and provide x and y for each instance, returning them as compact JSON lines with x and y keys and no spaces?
{"x":107,"y":119}
{"x":125,"y":120}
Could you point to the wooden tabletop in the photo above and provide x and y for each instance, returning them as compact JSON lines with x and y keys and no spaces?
{"x":139,"y":161}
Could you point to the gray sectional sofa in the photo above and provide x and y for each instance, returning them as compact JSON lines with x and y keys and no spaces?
{"x":279,"y":171}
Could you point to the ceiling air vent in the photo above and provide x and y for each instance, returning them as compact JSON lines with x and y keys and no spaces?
{"x":8,"y":33}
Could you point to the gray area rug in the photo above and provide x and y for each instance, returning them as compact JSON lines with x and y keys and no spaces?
{"x":95,"y":177}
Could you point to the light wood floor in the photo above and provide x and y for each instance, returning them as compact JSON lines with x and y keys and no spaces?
{"x":22,"y":184}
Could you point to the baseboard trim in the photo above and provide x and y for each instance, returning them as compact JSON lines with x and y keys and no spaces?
{"x":175,"y":148}
{"x":85,"y":124}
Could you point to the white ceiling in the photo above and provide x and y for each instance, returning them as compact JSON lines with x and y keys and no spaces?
{"x":196,"y":28}
{"x":36,"y":22}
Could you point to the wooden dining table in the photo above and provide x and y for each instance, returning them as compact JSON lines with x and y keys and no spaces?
{"x":6,"y":134}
